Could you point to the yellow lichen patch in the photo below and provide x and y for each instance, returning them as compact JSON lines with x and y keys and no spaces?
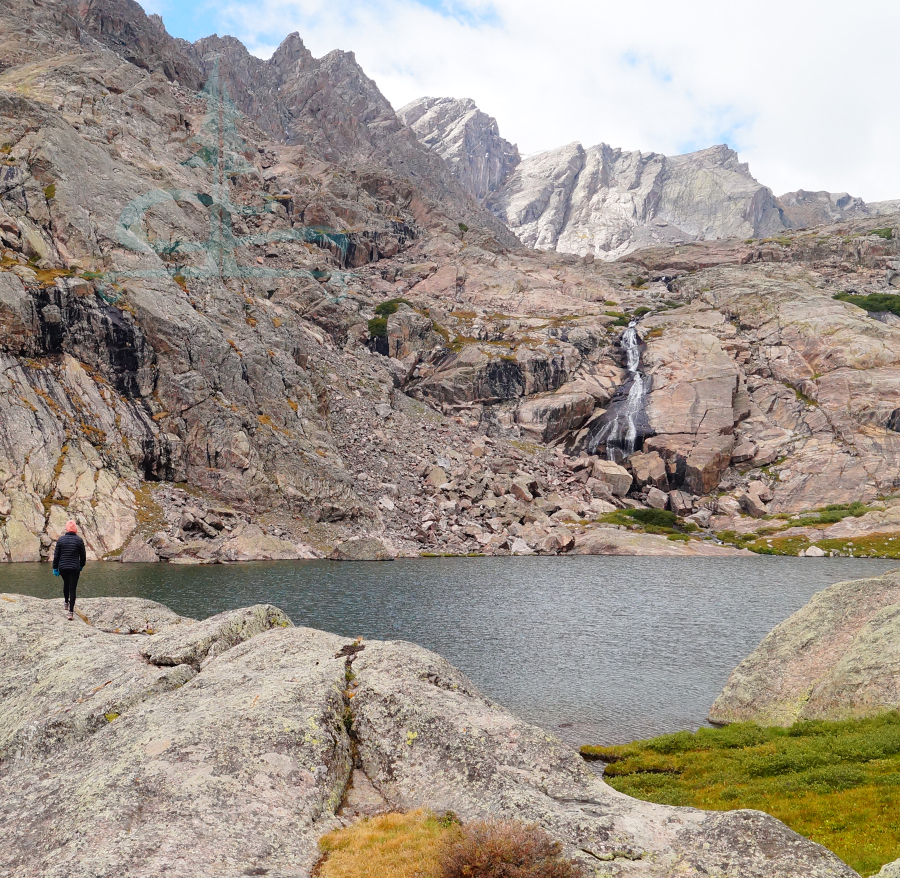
{"x":400,"y":845}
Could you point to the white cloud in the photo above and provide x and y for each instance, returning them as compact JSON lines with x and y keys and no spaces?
{"x":803,"y":89}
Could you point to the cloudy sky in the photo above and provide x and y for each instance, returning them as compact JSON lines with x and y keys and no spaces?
{"x":804,"y":90}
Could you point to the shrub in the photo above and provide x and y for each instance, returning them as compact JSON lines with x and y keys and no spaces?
{"x":505,"y":849}
{"x":653,"y":517}
{"x":640,"y":312}
{"x":873,"y":302}
{"x":463,"y":228}
{"x":385,"y":309}
{"x":378,"y":327}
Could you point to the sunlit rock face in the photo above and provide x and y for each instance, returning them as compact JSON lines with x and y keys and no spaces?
{"x":605,"y":201}
{"x":466,"y":138}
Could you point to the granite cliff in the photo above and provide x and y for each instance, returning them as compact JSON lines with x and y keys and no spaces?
{"x":605,"y":201}
{"x":245,"y":313}
{"x":135,"y":742}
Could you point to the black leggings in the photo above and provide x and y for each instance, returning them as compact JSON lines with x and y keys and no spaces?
{"x":70,"y":583}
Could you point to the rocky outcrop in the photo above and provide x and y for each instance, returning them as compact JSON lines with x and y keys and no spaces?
{"x":836,"y":658}
{"x":466,"y":138}
{"x":803,"y":210}
{"x":338,"y":114}
{"x":362,"y":549}
{"x":248,"y":720}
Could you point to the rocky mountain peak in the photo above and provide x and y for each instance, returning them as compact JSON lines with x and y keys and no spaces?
{"x":605,"y":201}
{"x":466,"y":138}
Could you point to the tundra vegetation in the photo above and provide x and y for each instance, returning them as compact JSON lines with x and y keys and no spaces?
{"x":837,"y":783}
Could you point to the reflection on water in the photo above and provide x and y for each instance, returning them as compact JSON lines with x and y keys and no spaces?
{"x":601,"y":650}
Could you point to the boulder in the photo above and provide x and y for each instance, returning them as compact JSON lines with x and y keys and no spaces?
{"x":657,"y":499}
{"x":361,"y":549}
{"x":743,"y":452}
{"x":557,"y":541}
{"x":549,"y":417}
{"x":680,"y":502}
{"x":649,"y":469}
{"x":521,"y":489}
{"x":837,"y":657}
{"x":701,"y":518}
{"x":728,"y":506}
{"x":752,"y":505}
{"x":251,"y":543}
{"x":761,"y":490}
{"x":138,"y":551}
{"x":813,"y":552}
{"x":437,"y":477}
{"x":890,"y":870}
{"x":617,"y":477}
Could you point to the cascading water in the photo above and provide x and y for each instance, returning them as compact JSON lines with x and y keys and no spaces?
{"x":624,"y":427}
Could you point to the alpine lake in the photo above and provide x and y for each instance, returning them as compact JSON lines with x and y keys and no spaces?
{"x":601,"y":650}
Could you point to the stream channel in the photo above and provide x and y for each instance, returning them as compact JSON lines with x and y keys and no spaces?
{"x":596,"y":649}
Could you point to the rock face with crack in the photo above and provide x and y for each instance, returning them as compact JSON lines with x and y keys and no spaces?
{"x":836,"y":658}
{"x":224,"y":747}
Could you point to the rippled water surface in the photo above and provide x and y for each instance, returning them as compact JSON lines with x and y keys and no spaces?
{"x":598,"y":649}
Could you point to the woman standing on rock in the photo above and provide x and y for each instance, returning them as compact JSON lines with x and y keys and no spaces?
{"x":68,"y":561}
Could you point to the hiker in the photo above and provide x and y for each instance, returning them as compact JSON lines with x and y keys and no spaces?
{"x":68,"y":562}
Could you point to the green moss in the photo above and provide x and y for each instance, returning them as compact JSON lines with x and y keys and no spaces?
{"x":112,"y":715}
{"x":837,"y":783}
{"x":50,"y":191}
{"x":463,"y":228}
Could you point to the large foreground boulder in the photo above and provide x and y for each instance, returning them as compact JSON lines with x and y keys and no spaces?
{"x":224,"y":748}
{"x":836,"y":658}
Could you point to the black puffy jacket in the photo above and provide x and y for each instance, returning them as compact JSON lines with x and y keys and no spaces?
{"x":69,"y":554}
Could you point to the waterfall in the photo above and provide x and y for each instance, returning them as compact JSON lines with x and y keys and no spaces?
{"x":624,"y":426}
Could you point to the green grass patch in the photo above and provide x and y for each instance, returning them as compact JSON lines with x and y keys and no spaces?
{"x":873,"y":302}
{"x":887,"y":234}
{"x":640,"y":312}
{"x":837,"y":783}
{"x":651,"y":521}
